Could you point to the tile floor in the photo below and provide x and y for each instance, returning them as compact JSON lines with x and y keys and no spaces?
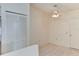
{"x":55,"y":50}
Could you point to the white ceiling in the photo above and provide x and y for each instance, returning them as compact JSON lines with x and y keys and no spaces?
{"x":64,"y":7}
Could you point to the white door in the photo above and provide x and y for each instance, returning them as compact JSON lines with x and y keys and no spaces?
{"x":15,"y":31}
{"x":62,"y":33}
{"x":20,"y":41}
{"x":74,"y":35}
{"x":10,"y":30}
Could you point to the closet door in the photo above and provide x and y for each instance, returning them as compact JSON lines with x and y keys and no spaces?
{"x":62,"y":34}
{"x":10,"y":30}
{"x":74,"y":35}
{"x":15,"y":37}
{"x":20,"y":41}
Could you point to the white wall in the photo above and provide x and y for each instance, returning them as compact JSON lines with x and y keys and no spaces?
{"x":39,"y":26}
{"x":28,"y":23}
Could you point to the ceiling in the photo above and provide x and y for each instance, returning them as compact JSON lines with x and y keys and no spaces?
{"x":64,"y":7}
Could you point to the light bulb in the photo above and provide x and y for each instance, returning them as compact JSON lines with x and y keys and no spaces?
{"x":55,"y":15}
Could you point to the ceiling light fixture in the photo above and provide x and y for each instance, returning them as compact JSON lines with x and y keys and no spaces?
{"x":56,"y":12}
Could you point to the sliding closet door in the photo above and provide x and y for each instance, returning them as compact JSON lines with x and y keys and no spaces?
{"x":15,"y":32}
{"x":20,"y":41}
{"x":10,"y":30}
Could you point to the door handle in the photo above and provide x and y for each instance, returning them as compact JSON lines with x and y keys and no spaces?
{"x":70,"y":35}
{"x":66,"y":32}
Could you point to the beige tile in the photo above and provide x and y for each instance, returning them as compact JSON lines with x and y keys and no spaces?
{"x":55,"y":50}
